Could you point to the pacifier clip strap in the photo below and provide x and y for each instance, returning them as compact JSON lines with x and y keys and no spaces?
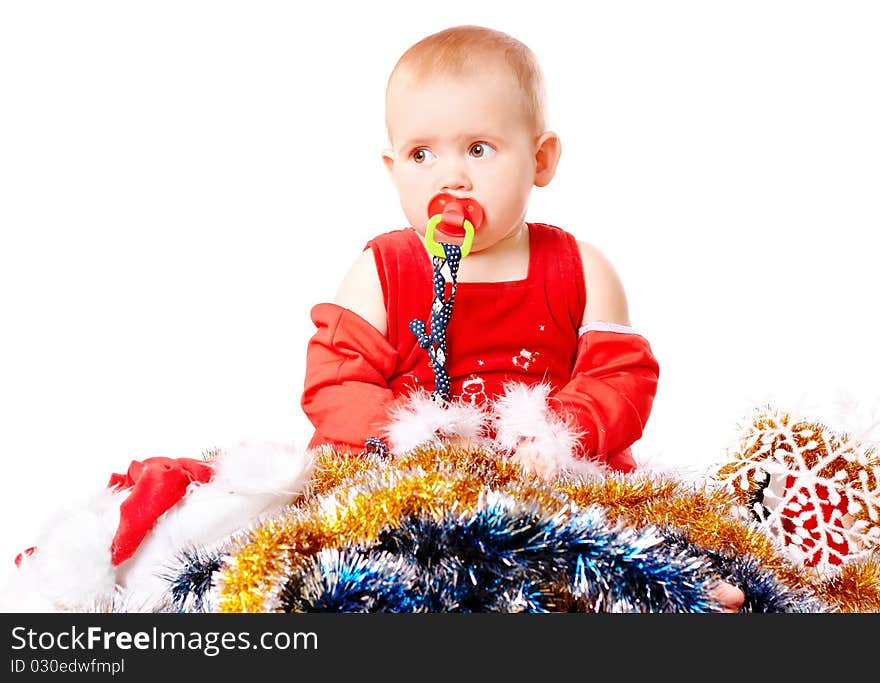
{"x":435,"y":341}
{"x":441,"y":312}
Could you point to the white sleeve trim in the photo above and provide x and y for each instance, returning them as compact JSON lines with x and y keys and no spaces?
{"x":601,"y":326}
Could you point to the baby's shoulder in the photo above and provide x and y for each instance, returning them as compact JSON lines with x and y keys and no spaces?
{"x":606,"y":298}
{"x":361,"y":291}
{"x":592,"y":257}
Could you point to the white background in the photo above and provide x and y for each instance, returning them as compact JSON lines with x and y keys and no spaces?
{"x":181,"y":181}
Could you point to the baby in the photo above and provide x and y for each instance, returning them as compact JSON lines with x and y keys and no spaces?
{"x":538,"y":333}
{"x":519,"y":331}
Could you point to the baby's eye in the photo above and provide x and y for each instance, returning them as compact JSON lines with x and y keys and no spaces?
{"x":422,"y":154}
{"x":480,"y":150}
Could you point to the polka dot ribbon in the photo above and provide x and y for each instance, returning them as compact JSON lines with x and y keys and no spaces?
{"x":441,"y":311}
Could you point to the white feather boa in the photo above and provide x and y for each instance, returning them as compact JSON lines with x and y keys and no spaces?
{"x":521,"y":412}
{"x":420,"y":421}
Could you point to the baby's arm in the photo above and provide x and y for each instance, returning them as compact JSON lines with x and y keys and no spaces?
{"x":361,"y":292}
{"x":614,"y":380}
{"x":606,"y":299}
{"x":609,"y":396}
{"x":348,"y":360}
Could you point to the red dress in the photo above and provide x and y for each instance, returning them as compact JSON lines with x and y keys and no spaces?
{"x":524,"y":330}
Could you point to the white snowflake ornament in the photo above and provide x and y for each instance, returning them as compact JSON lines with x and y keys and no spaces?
{"x":815,"y":492}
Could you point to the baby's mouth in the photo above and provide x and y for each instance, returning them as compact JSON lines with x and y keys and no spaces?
{"x":454,"y":211}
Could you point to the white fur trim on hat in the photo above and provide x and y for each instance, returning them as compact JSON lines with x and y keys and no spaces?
{"x":420,"y":421}
{"x":70,"y":569}
{"x":252,"y":480}
{"x":523,"y":412}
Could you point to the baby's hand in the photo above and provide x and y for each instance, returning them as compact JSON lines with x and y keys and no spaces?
{"x":528,"y":456}
{"x":729,"y":597}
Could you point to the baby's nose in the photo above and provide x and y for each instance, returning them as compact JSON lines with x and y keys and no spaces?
{"x":454,"y":176}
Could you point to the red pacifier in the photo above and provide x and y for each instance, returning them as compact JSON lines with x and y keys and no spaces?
{"x":453,"y":216}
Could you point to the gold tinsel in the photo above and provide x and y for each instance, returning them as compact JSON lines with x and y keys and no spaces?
{"x":854,"y":588}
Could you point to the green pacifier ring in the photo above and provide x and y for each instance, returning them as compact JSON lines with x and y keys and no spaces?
{"x":436,"y":248}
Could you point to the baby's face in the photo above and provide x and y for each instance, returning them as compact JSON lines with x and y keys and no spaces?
{"x":467,"y":136}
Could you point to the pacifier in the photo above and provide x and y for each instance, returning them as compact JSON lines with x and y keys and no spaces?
{"x":452,"y":216}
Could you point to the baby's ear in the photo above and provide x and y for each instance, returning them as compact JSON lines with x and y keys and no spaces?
{"x":388,"y":159}
{"x":547,"y":153}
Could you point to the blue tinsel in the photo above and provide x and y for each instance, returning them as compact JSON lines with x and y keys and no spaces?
{"x":504,"y":556}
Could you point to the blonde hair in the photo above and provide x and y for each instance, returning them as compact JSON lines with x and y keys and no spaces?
{"x":456,"y":51}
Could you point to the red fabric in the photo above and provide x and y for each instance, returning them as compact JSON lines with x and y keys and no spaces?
{"x":346,"y":392}
{"x":610,"y":394}
{"x":157,"y":484}
{"x":817,"y":532}
{"x":525,"y":330}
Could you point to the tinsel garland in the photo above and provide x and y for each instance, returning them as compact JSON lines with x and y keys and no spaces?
{"x":452,"y":529}
{"x":501,"y":557}
{"x":456,"y":529}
